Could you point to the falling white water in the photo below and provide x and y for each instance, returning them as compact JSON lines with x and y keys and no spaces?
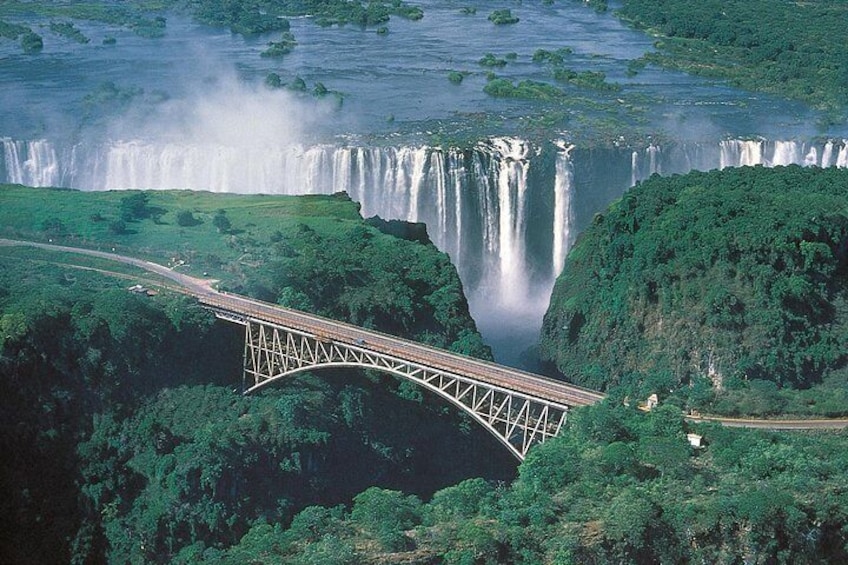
{"x":741,"y":153}
{"x":439,"y":177}
{"x":456,"y":170}
{"x":479,"y":204}
{"x":786,"y":153}
{"x":511,"y":167}
{"x":563,"y":212}
{"x":827,"y":154}
{"x":634,"y":168}
{"x":842,"y":158}
{"x":414,"y":161}
{"x":486,"y":203}
{"x":33,"y":163}
{"x":811,"y":159}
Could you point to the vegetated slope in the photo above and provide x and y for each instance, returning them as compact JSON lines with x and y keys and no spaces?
{"x":788,"y":48}
{"x":618,"y":486}
{"x":733,"y":279}
{"x":131,"y":440}
{"x":312,"y":252}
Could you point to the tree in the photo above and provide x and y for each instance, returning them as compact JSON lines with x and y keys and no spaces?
{"x":118,"y":227}
{"x":54,"y":226}
{"x":387,"y":514}
{"x":461,"y":502}
{"x":273,"y":80}
{"x":502,"y":17}
{"x":185,"y":218}
{"x":221,"y":222}
{"x":31,"y":42}
{"x":135,"y":206}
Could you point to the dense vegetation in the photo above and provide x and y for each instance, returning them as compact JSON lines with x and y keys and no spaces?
{"x":789,"y":48}
{"x":711,"y":282}
{"x":133,"y":443}
{"x":125,"y":403}
{"x":618,"y":487}
{"x":315,"y":252}
{"x":503,"y":17}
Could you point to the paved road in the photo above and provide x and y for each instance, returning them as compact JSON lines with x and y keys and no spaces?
{"x":193,"y":284}
{"x":506,"y":378}
{"x":830,"y":423}
{"x":498,"y":375}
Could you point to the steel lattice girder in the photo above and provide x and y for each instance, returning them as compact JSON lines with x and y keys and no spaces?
{"x":518,"y":420}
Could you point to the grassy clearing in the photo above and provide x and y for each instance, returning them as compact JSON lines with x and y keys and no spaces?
{"x":87,"y":219}
{"x":68,"y":269}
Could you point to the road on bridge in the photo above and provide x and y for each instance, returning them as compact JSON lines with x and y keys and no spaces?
{"x":506,"y":378}
{"x":498,"y":375}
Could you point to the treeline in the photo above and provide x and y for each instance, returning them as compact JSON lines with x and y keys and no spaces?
{"x":618,"y":486}
{"x":709,"y":283}
{"x":133,"y":441}
{"x":788,"y":48}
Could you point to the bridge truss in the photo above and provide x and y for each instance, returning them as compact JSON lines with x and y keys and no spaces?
{"x":517,"y":420}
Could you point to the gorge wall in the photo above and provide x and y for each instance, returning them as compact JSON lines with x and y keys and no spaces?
{"x":506,"y":210}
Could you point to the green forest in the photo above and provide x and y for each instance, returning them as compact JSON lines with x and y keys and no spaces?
{"x":134,"y":444}
{"x":727,"y":291}
{"x":133,"y":440}
{"x":792,"y":49}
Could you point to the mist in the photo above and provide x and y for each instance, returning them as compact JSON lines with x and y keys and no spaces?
{"x":225,"y":111}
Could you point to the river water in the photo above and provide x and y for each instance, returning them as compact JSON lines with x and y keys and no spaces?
{"x":502,"y":195}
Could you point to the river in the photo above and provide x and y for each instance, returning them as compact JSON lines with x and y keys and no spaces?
{"x":504,"y":185}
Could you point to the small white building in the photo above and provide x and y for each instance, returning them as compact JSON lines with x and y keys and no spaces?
{"x":695,"y":440}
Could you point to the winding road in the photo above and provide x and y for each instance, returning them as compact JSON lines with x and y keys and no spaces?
{"x":507,"y":377}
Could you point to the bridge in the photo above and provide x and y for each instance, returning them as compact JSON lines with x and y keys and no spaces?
{"x":520,"y":409}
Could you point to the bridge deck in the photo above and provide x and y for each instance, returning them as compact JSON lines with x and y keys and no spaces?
{"x":491,"y":373}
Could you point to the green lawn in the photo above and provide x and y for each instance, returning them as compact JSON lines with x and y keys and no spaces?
{"x":86,"y":219}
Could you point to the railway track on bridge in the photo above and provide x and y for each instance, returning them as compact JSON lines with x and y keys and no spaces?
{"x":353,"y":336}
{"x":492,"y":373}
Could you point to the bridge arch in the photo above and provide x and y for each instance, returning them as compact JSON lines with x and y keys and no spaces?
{"x":517,"y":420}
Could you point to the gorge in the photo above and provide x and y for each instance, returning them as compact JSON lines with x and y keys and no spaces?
{"x":504,"y":184}
{"x":505,"y":209}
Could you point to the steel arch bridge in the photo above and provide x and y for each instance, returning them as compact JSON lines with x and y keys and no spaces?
{"x":520,"y":409}
{"x":468,"y":383}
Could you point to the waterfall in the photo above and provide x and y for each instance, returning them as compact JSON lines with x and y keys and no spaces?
{"x":787,"y":153}
{"x":741,"y":153}
{"x":511,"y":170}
{"x":842,"y":158}
{"x":33,"y":163}
{"x":503,"y":210}
{"x":456,"y":170}
{"x":563,"y":212}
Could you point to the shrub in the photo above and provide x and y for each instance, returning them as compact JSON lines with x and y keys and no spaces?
{"x":502,"y":17}
{"x":186,"y":219}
